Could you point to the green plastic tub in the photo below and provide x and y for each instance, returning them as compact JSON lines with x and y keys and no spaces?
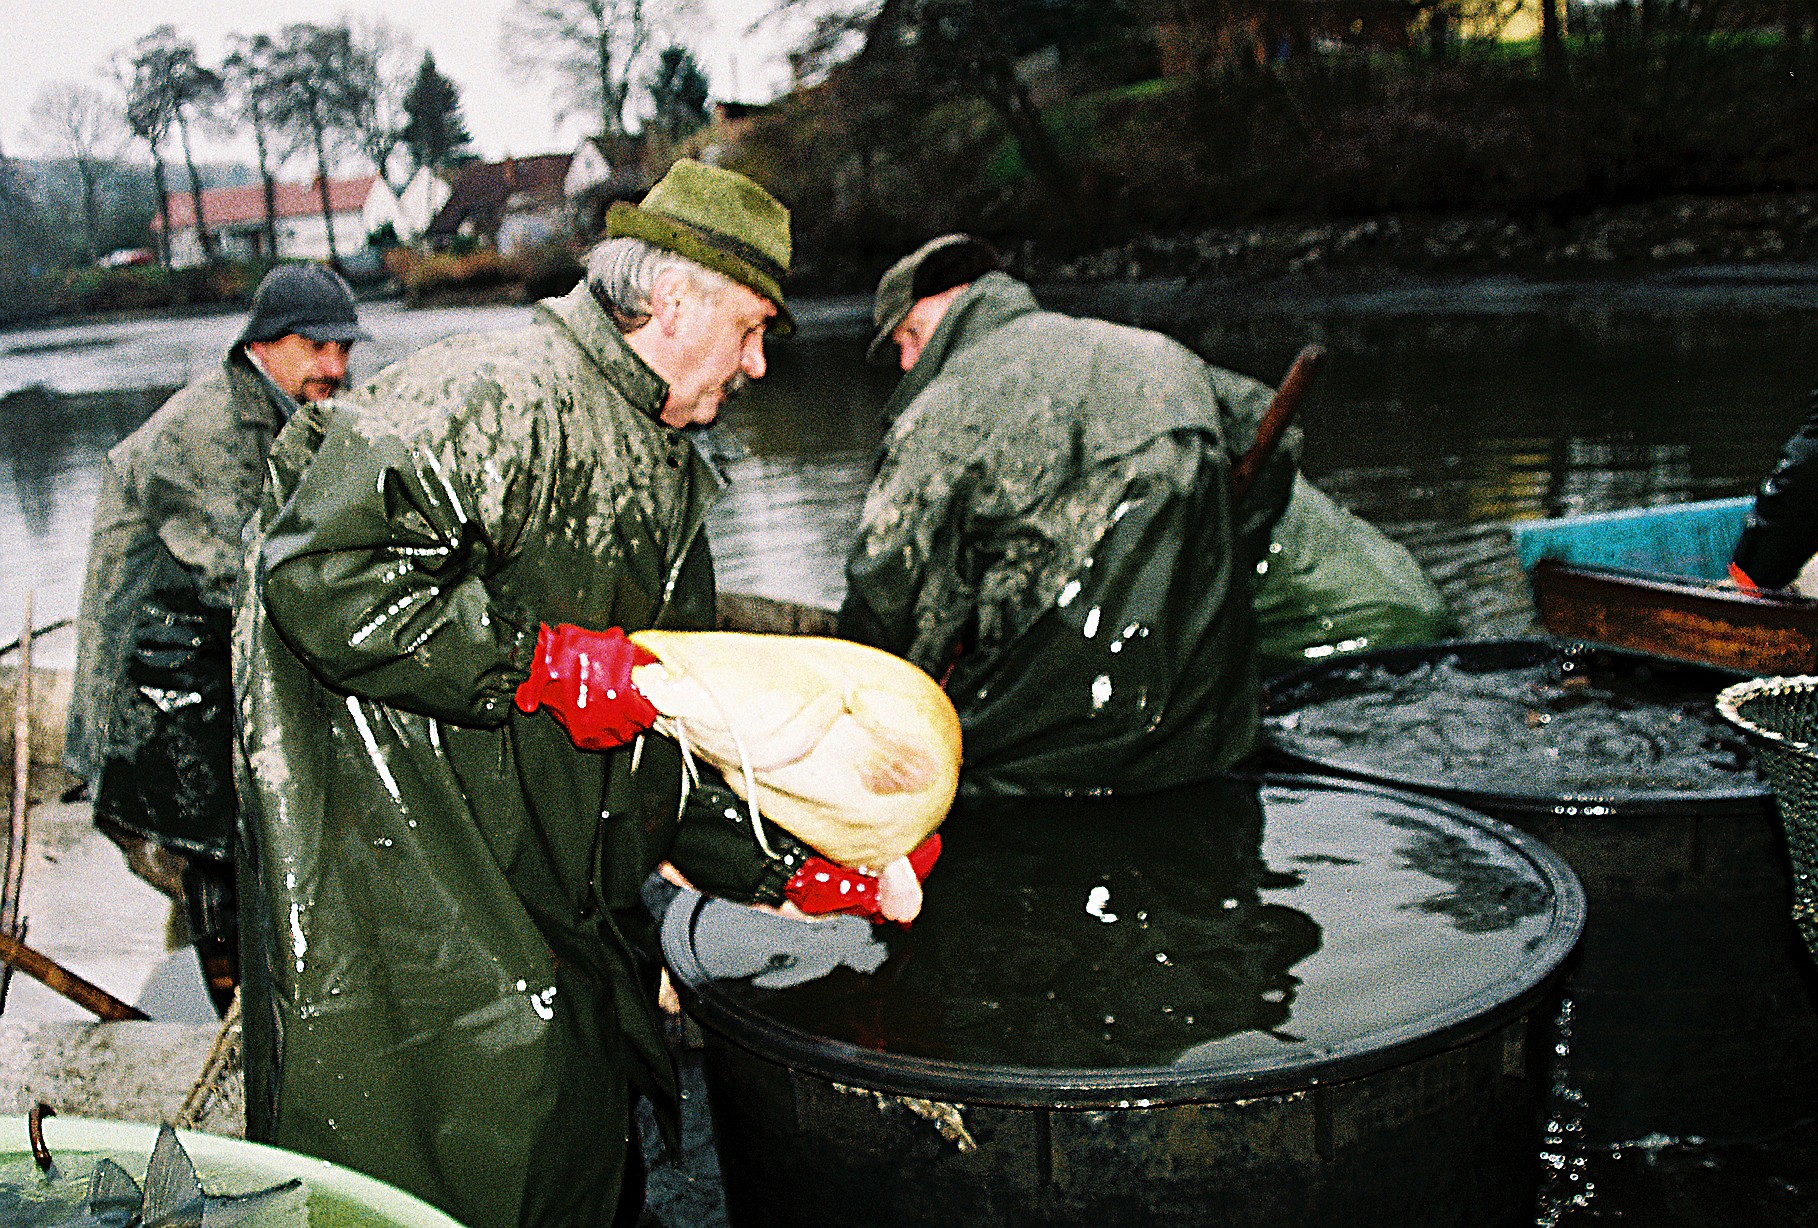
{"x":338,"y":1197}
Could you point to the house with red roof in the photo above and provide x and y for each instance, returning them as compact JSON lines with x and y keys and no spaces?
{"x":506,"y":205}
{"x":236,"y":220}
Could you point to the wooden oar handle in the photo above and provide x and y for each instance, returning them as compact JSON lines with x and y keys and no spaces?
{"x":1275,"y":420}
{"x":87,"y":995}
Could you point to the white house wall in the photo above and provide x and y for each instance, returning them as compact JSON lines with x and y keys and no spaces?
{"x":299,"y":238}
{"x":422,"y":198}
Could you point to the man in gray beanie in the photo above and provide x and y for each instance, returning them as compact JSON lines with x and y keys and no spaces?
{"x":151,"y":721}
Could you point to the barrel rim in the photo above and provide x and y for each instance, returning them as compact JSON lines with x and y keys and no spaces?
{"x":1612,"y":803}
{"x":1480,"y":1014}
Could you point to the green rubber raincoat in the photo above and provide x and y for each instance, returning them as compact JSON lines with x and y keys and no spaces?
{"x":152,"y":704}
{"x":449,"y":969}
{"x":1052,"y":522}
{"x":1336,"y":584}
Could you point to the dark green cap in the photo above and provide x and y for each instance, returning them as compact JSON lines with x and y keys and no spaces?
{"x":939,"y":264}
{"x":719,"y":219}
{"x":307,"y":299}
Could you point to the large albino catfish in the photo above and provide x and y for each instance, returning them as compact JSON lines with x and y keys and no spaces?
{"x":853,"y":751}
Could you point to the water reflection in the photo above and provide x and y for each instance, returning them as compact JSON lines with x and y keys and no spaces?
{"x":1219,"y":928}
{"x":36,"y":429}
{"x":1437,"y":416}
{"x":1482,"y":894}
{"x":1095,"y":934}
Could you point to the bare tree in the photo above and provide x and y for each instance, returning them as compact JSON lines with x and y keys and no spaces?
{"x":388,"y":57}
{"x":590,"y":48}
{"x":250,"y":98}
{"x":15,"y":205}
{"x":170,"y":81}
{"x":316,"y":76}
{"x":930,"y":51}
{"x":149,"y":117}
{"x":81,"y":124}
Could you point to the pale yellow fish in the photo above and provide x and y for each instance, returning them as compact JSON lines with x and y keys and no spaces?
{"x":853,"y":751}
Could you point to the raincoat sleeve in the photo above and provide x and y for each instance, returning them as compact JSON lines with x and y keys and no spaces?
{"x":379,"y":568}
{"x":196,"y":518}
{"x":1782,"y":530}
{"x":715,"y":851}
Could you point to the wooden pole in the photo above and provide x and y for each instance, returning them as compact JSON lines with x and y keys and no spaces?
{"x":55,"y":624}
{"x":86,"y":994}
{"x":18,"y":833}
{"x":1275,"y":420}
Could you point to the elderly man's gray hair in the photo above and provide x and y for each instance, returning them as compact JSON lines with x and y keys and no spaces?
{"x":623,"y":274}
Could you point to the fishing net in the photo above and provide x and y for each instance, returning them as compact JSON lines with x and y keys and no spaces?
{"x":1780,"y":715}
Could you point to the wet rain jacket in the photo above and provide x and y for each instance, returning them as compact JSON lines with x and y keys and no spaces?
{"x":1335,"y":583}
{"x":1054,"y":502}
{"x":449,"y":970}
{"x":152,"y":702}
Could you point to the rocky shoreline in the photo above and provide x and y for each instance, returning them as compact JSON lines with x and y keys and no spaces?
{"x":1671,"y":232}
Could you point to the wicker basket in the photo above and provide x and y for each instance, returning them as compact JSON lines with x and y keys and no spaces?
{"x":1780,"y":716}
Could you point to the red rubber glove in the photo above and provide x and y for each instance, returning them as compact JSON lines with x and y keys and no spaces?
{"x":1740,"y":579}
{"x":823,"y":886}
{"x":584,"y":678}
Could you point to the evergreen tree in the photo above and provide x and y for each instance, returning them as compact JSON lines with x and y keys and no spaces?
{"x":678,"y":91}
{"x":434,"y":131}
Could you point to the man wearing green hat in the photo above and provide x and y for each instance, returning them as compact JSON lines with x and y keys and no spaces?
{"x":449,"y":807}
{"x":151,"y":718}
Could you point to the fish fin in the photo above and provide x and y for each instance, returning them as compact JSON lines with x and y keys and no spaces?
{"x":899,"y":891}
{"x":112,"y":1188}
{"x":894,"y":764}
{"x":173,"y":1192}
{"x":280,"y":1205}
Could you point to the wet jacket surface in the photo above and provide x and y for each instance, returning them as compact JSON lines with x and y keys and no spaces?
{"x":1054,"y":500}
{"x":448,"y":964}
{"x":1335,"y":583}
{"x":1782,"y":532}
{"x":152,"y":702}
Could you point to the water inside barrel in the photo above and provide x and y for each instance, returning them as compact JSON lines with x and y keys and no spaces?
{"x":1218,"y":929}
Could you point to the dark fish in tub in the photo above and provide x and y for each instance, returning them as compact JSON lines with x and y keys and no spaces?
{"x":173,"y":1197}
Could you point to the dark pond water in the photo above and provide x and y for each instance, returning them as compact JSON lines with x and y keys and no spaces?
{"x":1444,"y":410}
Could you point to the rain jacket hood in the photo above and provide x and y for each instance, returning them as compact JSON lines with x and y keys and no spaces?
{"x":1051,"y":529}
{"x":449,"y":968}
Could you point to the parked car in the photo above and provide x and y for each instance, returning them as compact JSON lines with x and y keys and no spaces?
{"x":126,"y":257}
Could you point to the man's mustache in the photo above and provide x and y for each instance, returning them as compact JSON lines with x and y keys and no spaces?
{"x":320,"y":388}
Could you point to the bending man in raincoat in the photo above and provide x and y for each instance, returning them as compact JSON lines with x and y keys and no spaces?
{"x":449,"y":809}
{"x":1052,"y":531}
{"x":151,"y":717}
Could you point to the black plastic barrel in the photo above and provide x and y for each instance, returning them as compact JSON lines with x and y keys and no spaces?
{"x":1267,"y":1002}
{"x":1692,"y":1010}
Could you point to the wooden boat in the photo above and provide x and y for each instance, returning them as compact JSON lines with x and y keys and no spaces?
{"x":1653,"y":580}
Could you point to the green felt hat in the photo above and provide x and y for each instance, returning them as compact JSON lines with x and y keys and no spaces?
{"x":719,"y":219}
